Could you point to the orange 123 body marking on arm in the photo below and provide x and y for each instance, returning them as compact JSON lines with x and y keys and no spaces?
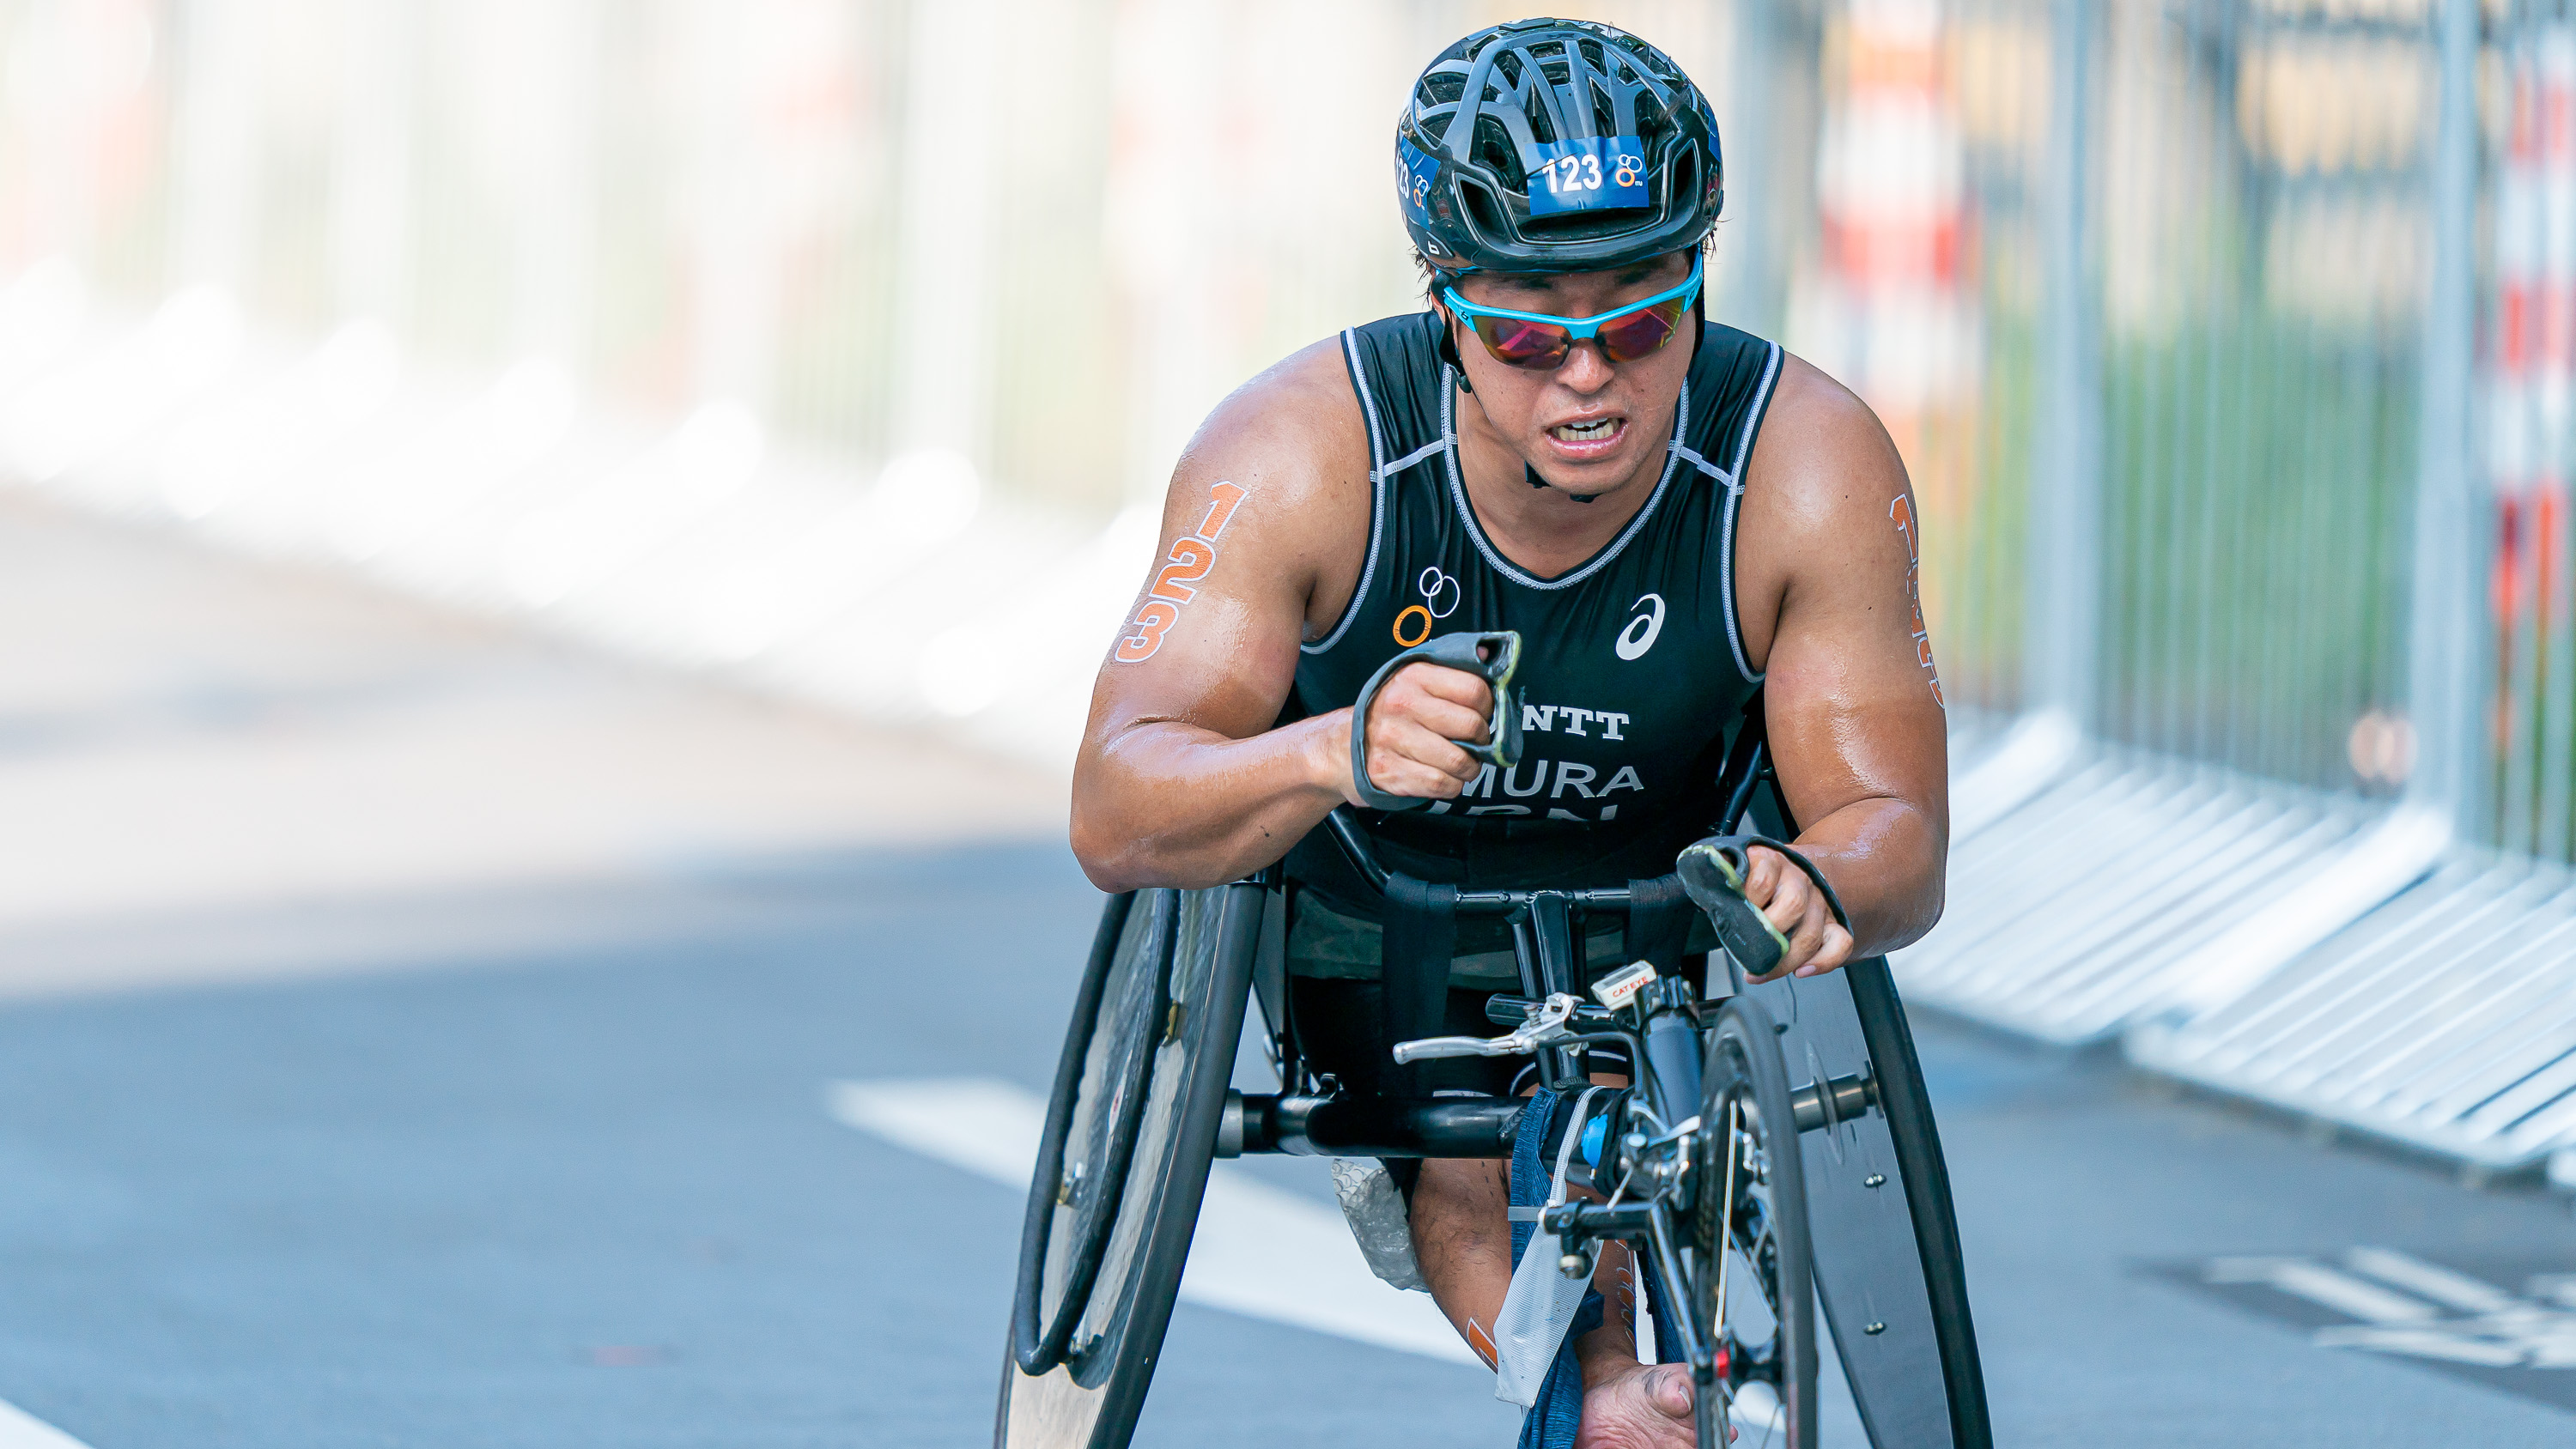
{"x":1902,"y":511}
{"x":1191,"y":558}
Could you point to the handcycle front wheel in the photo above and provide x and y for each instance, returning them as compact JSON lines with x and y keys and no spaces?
{"x":1110,"y":1221}
{"x":1754,"y":1289}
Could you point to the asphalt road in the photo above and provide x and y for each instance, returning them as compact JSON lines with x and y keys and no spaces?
{"x":473,"y":1089}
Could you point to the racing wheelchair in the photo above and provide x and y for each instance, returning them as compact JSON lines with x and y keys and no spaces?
{"x":1775,"y":1151}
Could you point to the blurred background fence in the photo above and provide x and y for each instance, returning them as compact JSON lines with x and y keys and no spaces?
{"x":842,"y":346}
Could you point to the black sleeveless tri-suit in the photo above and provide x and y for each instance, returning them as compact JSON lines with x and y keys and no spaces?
{"x":1633,"y":673}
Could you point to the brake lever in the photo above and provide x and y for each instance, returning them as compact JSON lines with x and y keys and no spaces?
{"x":1544,"y":1027}
{"x":1465,"y":650}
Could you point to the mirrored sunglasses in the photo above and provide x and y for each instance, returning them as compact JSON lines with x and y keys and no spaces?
{"x":1540,"y":342}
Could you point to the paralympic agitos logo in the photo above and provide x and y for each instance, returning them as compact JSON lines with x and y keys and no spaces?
{"x":1440,"y":594}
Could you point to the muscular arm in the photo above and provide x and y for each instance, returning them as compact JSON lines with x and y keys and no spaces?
{"x":1830,"y":540}
{"x":1181,"y":780}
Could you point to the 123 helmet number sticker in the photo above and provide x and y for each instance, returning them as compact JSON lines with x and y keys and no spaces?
{"x":1588,"y":173}
{"x":1189,"y":562}
{"x":1414,"y":173}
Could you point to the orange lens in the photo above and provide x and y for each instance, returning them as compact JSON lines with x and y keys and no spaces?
{"x":1516,"y":343}
{"x":1640,"y":333}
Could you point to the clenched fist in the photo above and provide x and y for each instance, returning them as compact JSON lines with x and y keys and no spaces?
{"x":1420,"y":714}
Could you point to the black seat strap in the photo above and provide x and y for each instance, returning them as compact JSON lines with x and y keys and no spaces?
{"x":1659,"y":922}
{"x":1421,"y":936}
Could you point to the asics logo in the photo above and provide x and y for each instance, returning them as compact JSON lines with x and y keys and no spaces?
{"x":1640,"y":634}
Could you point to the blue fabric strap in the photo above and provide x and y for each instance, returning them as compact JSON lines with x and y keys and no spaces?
{"x":1553,"y":1420}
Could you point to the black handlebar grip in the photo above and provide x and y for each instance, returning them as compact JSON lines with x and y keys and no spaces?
{"x":1713,"y":872}
{"x":1467,"y":651}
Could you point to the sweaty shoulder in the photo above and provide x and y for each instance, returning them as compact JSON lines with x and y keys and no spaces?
{"x":1295,"y":440}
{"x":1826,"y":503}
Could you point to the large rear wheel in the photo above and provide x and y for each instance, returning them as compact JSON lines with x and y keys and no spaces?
{"x":1123,"y":1163}
{"x":1749,"y":1241}
{"x":1092,"y":1123}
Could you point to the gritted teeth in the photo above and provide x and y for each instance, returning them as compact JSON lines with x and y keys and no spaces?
{"x":1586,"y":432}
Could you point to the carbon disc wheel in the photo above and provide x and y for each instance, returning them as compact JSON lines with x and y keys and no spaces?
{"x":1102,"y":1250}
{"x":1754,"y":1289}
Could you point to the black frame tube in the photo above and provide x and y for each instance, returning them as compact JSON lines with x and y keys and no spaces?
{"x":1366,"y":1126}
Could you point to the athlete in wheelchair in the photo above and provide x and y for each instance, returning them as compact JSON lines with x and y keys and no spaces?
{"x":1509,"y":666}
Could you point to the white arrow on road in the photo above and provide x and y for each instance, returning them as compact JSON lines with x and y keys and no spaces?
{"x":1259,"y":1251}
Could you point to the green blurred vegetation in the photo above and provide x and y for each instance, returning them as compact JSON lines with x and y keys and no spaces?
{"x":2257,"y":469}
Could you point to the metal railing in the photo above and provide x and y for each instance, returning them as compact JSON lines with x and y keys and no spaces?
{"x":2446,"y":1018}
{"x":2218,"y":310}
{"x":2530,"y":364}
{"x":2283,"y":441}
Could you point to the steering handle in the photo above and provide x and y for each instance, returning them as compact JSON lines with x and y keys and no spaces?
{"x":1465,"y":650}
{"x":1713,"y":872}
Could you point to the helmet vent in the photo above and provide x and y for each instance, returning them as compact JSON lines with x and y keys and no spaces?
{"x":1484,"y":209}
{"x":1494,"y":148}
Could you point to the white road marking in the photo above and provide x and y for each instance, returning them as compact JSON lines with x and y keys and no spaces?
{"x":2442,"y":1343}
{"x":988,"y":1127}
{"x":22,"y":1430}
{"x":1259,"y":1251}
{"x":2497,"y":1329}
{"x":2326,"y":1286}
{"x":2429,"y":1280}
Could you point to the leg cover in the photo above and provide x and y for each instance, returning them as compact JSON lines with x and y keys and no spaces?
{"x":1552,"y":1422}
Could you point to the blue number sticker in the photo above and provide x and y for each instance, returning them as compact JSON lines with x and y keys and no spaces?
{"x":1413,"y":175}
{"x":1589,"y":173}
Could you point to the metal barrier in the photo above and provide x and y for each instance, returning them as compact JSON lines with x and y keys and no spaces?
{"x":2203,"y":780}
{"x":2093,"y":902}
{"x":2446,"y":1018}
{"x":2288,"y":797}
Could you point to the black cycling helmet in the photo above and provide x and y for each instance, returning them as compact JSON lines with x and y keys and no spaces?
{"x":1556,"y":146}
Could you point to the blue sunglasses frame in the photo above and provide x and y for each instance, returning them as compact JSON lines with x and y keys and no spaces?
{"x":1580,"y":329}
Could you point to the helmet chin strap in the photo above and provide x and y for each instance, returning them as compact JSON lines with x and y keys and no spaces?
{"x":1536,"y":481}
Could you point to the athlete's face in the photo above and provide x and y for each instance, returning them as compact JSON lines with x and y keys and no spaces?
{"x":1590,"y":424}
